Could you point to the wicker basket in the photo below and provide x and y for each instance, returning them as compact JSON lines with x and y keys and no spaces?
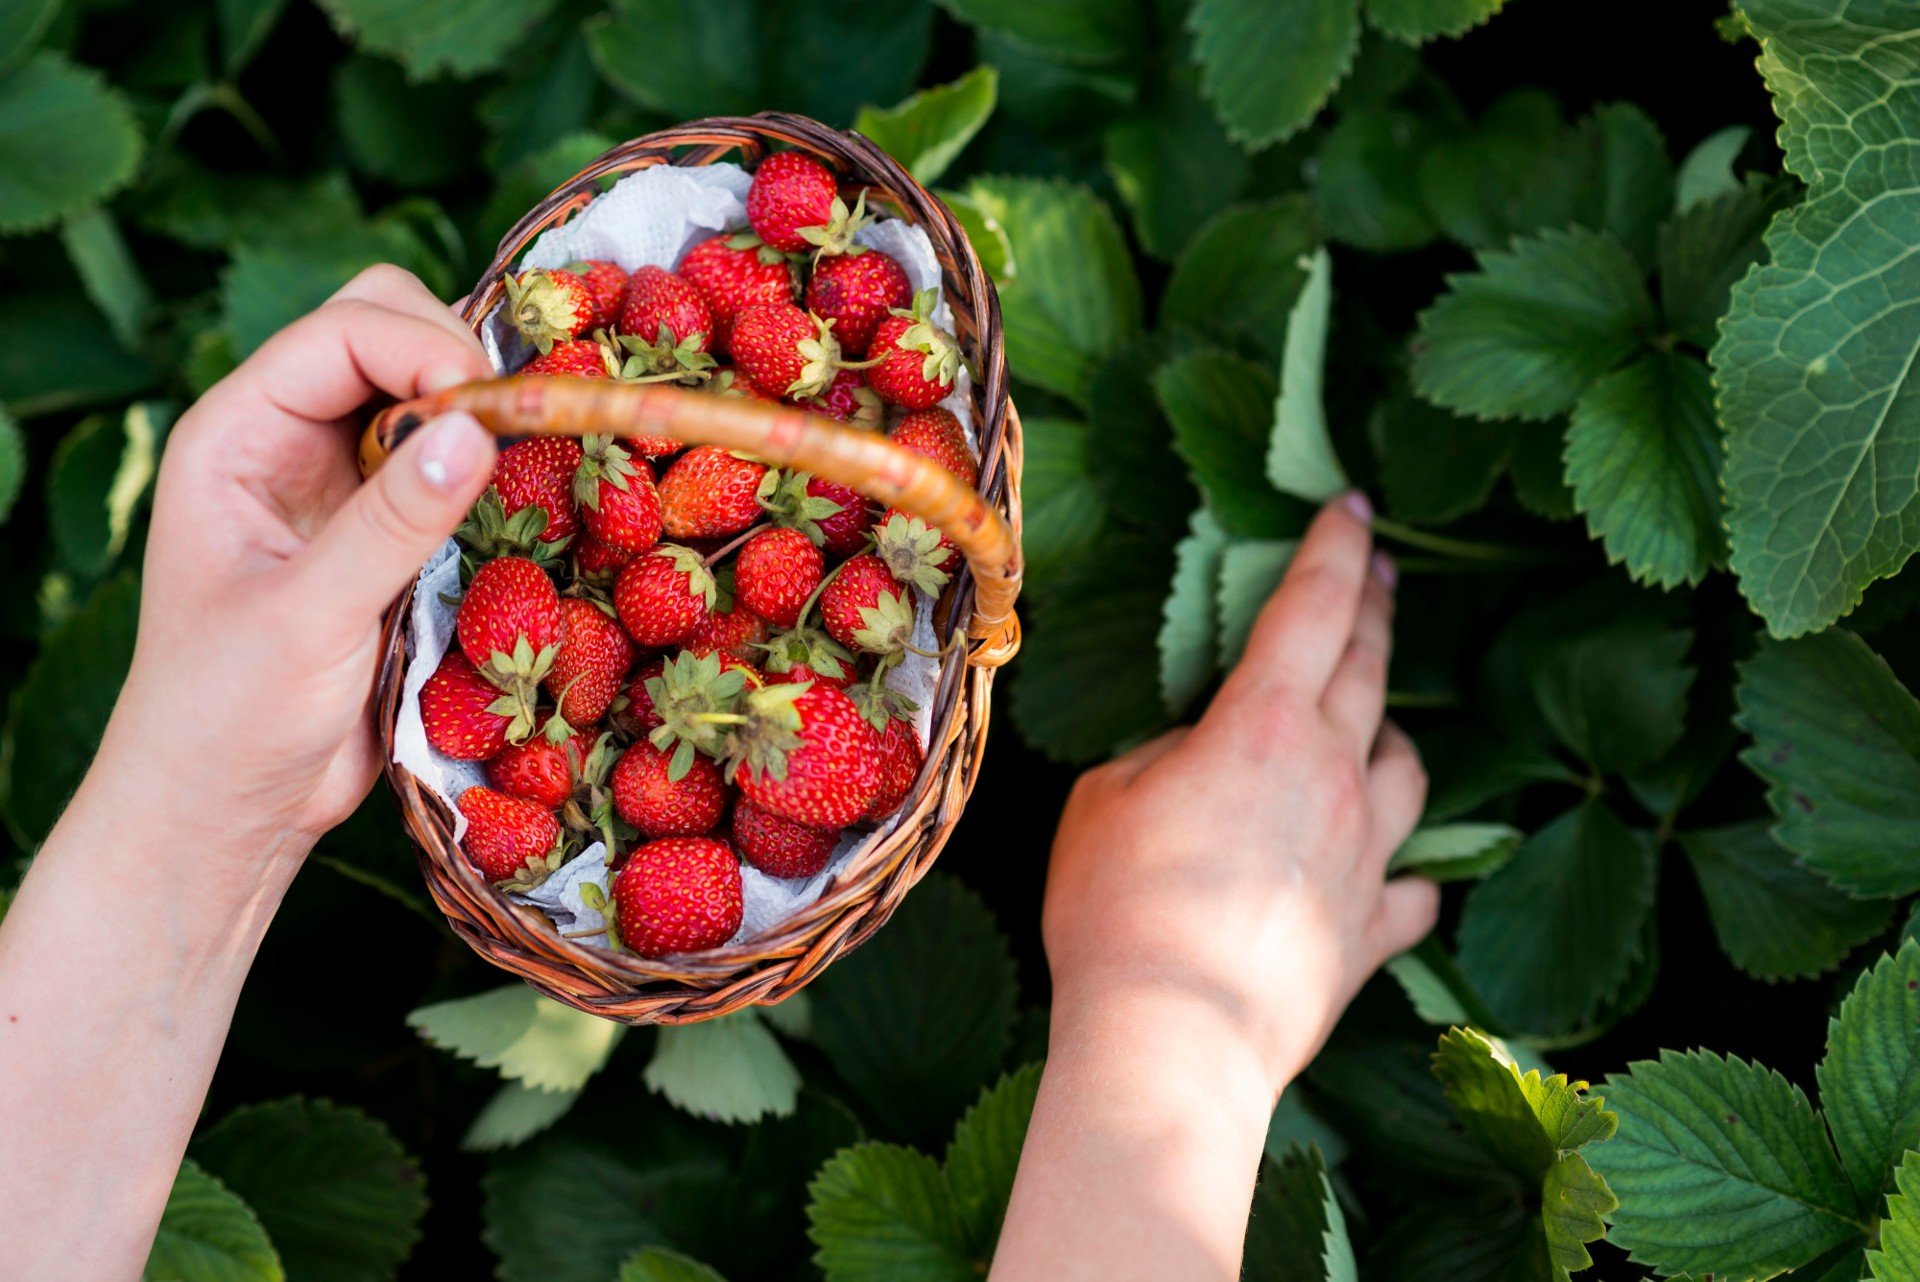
{"x":985,"y":524}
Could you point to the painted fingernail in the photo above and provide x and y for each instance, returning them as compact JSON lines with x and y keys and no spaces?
{"x":452,"y":448}
{"x":1359,"y":505}
{"x":1385,"y":570}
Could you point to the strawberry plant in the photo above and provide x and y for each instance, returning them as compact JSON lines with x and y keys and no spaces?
{"x":1611,"y":319}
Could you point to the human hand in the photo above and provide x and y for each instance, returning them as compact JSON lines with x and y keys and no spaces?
{"x":246,"y":712}
{"x":1237,"y":867}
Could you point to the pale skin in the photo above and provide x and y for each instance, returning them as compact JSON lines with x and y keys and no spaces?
{"x":1222,"y":886}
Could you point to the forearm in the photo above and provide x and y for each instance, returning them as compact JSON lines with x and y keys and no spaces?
{"x":1144,"y":1147}
{"x":120,"y":964}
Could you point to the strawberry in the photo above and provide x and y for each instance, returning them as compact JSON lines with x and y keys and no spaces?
{"x":943,"y":554}
{"x":593,"y":661}
{"x":678,"y":895}
{"x":509,"y":839}
{"x":731,"y":382}
{"x":664,"y":595}
{"x":780,"y":847}
{"x":549,"y":307}
{"x":694,"y":702}
{"x":648,"y":795}
{"x":465,"y":715}
{"x":734,"y":272}
{"x":545,"y":768}
{"x":640,"y":710}
{"x":806,"y":653}
{"x":666,"y":324}
{"x":901,"y":757}
{"x":836,"y":517}
{"x":785,"y":350}
{"x":936,"y":434}
{"x":595,"y":559}
{"x":709,"y":493}
{"x":917,"y":361}
{"x":857,"y":290}
{"x":510,"y":627}
{"x":794,"y":204}
{"x":575,"y":358}
{"x":618,"y":503}
{"x":539,"y":473}
{"x":806,"y":754}
{"x":606,"y":284}
{"x":849,"y":399}
{"x":776,"y":573}
{"x":866,"y":608}
{"x":735,"y":632}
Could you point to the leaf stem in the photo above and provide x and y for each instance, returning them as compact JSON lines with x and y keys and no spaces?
{"x":1462,"y":549}
{"x":1422,"y":699}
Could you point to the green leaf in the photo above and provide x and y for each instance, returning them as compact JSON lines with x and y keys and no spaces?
{"x":1774,"y":919}
{"x":1626,"y":187}
{"x":1436,"y":466}
{"x":1707,"y":172}
{"x":1074,"y":298}
{"x":1189,"y":653}
{"x":67,"y":141}
{"x":1070,"y":31}
{"x":1533,"y":328}
{"x":60,"y":708}
{"x":21,"y":26}
{"x":1146,"y":486}
{"x":1721,"y":1166}
{"x":1435,"y":988}
{"x":1574,"y":1203}
{"x":99,"y":473}
{"x":1643,"y":461}
{"x":1616,"y":693}
{"x":1269,"y":66}
{"x":526,"y":1037}
{"x":1456,"y":852}
{"x":1221,"y":408}
{"x":1708,"y":247}
{"x":1287,"y":1232}
{"x":1502,"y":177}
{"x":728,"y":1069}
{"x":884,"y":1213}
{"x":1367,"y":181}
{"x":1236,"y":280}
{"x":1063,"y":512}
{"x":108,"y":272}
{"x":1249,"y":572}
{"x":1870,"y":1078}
{"x":1469,"y":768}
{"x":215,"y":211}
{"x":1294,"y":1123}
{"x":13,"y":464}
{"x":1173,"y":165}
{"x":1898,"y":1258}
{"x":922,"y":1014}
{"x":657,"y":1264}
{"x":985,"y":234}
{"x":209,"y":1235}
{"x":1418,"y":21}
{"x":516,"y":1113}
{"x":1300,"y":457}
{"x":1552,"y":937}
{"x":1837,"y":738}
{"x":414,"y":135}
{"x":340,"y":1198}
{"x":428,"y":37}
{"x":984,"y":1153}
{"x":1539,"y":473}
{"x":244,"y":27}
{"x":1816,"y":351}
{"x":928,"y":130}
{"x":1523,"y":1120}
{"x":269,"y":285}
{"x":1384,"y":1098}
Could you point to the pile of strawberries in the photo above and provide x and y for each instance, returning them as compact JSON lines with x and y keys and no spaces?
{"x":684,"y":653}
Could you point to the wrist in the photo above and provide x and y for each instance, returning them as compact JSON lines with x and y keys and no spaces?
{"x":1168,"y":1046}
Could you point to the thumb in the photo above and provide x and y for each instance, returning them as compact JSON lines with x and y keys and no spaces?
{"x":375,"y":544}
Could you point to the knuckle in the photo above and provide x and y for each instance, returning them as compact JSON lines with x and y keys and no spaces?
{"x":381,"y":278}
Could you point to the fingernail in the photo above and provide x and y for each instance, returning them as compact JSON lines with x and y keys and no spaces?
{"x":1359,"y":506}
{"x":452,"y":448}
{"x":1385,"y":570}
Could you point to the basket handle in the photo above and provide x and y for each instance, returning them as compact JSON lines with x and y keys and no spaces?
{"x":527,"y":405}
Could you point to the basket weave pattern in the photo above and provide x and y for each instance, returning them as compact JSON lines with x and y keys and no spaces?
{"x":770,"y":967}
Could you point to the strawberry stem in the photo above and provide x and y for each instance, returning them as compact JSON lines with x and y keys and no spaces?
{"x":1462,"y":549}
{"x":739,"y":540}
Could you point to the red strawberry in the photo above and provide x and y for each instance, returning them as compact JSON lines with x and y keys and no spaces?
{"x":508,"y":839}
{"x":775,"y":573}
{"x":666,"y":324}
{"x":592,"y":663}
{"x":918,"y":361}
{"x":799,"y":672}
{"x":575,"y":358}
{"x":806,"y":653}
{"x":640,"y":709}
{"x":794,"y":204}
{"x":465,"y":715}
{"x":785,"y":350}
{"x":834,"y":516}
{"x":806,"y":754}
{"x":544,"y":769}
{"x":678,"y":895}
{"x":734,"y":633}
{"x":549,"y":307}
{"x":509,"y":626}
{"x":595,"y":559}
{"x":539,"y":473}
{"x":936,"y":434}
{"x":857,"y":290}
{"x":663,"y":596}
{"x":780,"y":847}
{"x":606,"y":284}
{"x":900,"y":759}
{"x":710,"y":493}
{"x":618,"y":504}
{"x":646,"y":794}
{"x":866,"y":608}
{"x":734,"y":272}
{"x":849,"y":399}
{"x":731,"y":382}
